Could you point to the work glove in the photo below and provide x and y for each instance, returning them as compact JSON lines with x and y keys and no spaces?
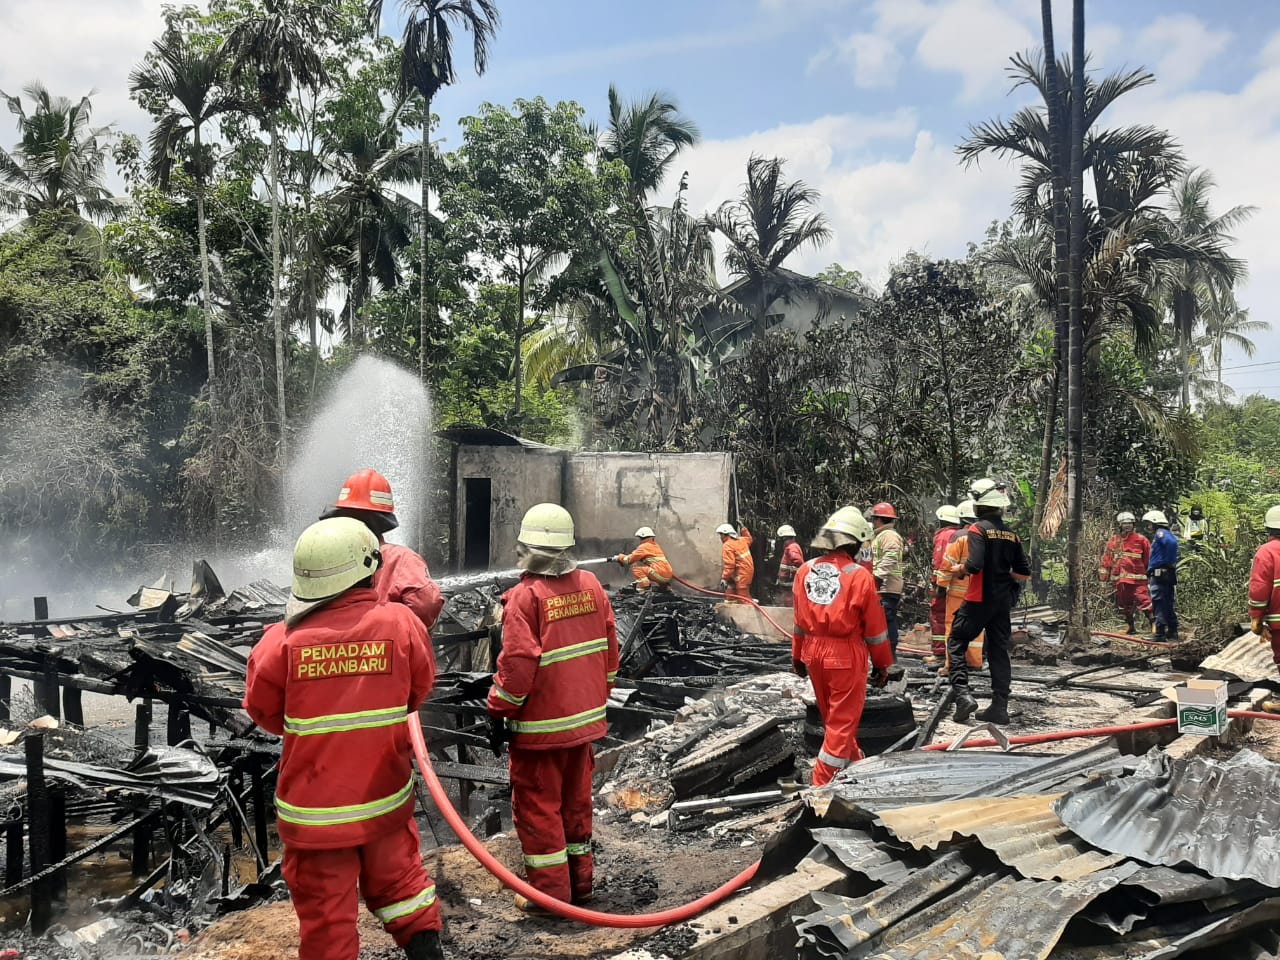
{"x":497,"y":734}
{"x":880,"y":677}
{"x":799,"y":669}
{"x":620,"y":559}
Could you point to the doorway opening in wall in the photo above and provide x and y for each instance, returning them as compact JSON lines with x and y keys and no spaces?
{"x":476,"y":523}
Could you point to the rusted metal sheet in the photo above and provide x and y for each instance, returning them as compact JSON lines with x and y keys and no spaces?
{"x":1219,"y":817}
{"x":861,"y":854}
{"x":1246,"y":658}
{"x":1009,"y":919}
{"x":1023,"y":832}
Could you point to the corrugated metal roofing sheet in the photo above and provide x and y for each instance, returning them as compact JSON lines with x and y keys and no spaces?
{"x":1220,"y":817}
{"x":1023,"y":832}
{"x":1223,"y":929}
{"x":861,"y":854}
{"x":1246,"y":658}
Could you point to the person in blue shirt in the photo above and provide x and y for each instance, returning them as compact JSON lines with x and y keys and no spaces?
{"x":1162,"y":574}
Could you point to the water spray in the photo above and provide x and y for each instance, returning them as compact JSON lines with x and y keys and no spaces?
{"x":463,"y":582}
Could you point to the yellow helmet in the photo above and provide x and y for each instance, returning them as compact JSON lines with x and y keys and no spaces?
{"x":644,"y":533}
{"x":847,"y":525}
{"x":967,"y":510}
{"x":727,"y":530}
{"x":547,"y":525}
{"x":786,"y":530}
{"x":1273,"y":519}
{"x":948,"y":514}
{"x":331,"y":556}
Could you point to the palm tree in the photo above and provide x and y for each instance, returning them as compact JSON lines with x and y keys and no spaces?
{"x":426,"y":66}
{"x":766,"y":225}
{"x":646,"y":136}
{"x":278,"y":46}
{"x":1211,"y":275}
{"x":183,"y":84}
{"x":1226,"y":324}
{"x":371,"y":223}
{"x":58,"y":165}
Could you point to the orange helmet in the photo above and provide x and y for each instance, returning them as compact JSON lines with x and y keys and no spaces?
{"x":884,"y":511}
{"x":367,"y":496}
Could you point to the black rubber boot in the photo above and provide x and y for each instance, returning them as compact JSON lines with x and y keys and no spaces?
{"x":425,"y":946}
{"x":998,"y":712}
{"x":965,"y":705}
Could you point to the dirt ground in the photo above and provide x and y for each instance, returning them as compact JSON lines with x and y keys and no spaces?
{"x":635,"y":873}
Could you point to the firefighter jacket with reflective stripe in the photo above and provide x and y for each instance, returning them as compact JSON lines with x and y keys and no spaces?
{"x":836,"y":603}
{"x":337,"y":686}
{"x":941,"y":540}
{"x":996,"y":559}
{"x":792,"y":561}
{"x":403,"y":578}
{"x":953,"y":575}
{"x":1164,"y":551}
{"x":1125,"y":558}
{"x":1264,"y":585}
{"x":648,"y":562}
{"x":886,"y":560}
{"x":737,"y":566}
{"x":559,"y":661}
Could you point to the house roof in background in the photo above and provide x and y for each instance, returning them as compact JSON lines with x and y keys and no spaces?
{"x":475,"y":436}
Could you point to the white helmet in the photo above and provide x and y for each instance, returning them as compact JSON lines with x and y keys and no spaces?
{"x":967,"y":510}
{"x":644,"y":533}
{"x":1157,"y":517}
{"x":726,"y":529}
{"x":786,"y":530}
{"x":989,"y":493}
{"x":1273,"y":519}
{"x":1125,"y":517}
{"x":947,"y":513}
{"x":547,"y":525}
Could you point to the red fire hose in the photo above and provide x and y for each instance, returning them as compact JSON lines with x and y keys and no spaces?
{"x":733,"y":596}
{"x":689,"y":910}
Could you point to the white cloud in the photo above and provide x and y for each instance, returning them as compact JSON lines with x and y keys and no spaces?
{"x":887,"y":185}
{"x":74,"y":47}
{"x":1177,"y":47}
{"x":874,"y":58}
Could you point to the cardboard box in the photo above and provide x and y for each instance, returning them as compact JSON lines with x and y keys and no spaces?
{"x":1202,"y":708}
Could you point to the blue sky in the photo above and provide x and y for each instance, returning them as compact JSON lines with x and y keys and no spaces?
{"x":866,"y":98}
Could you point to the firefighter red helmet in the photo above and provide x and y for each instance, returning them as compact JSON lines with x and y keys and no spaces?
{"x":367,"y":496}
{"x":884,"y":511}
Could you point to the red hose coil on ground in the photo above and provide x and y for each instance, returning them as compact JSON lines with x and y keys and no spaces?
{"x":716,"y":593}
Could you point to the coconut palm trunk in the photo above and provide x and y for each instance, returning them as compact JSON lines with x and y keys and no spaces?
{"x":424,"y":307}
{"x":277,"y":320}
{"x":205,"y":298}
{"x":1078,"y":623}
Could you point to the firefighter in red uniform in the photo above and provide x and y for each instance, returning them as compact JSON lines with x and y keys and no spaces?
{"x":1264,"y":593}
{"x":840,"y":624}
{"x":559,"y":661}
{"x":403,"y":576}
{"x":337,"y":680}
{"x":737,"y":566}
{"x":949,"y":516}
{"x":789,"y":564}
{"x":1124,"y":563}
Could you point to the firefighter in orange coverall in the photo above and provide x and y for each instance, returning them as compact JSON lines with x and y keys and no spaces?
{"x":1124,"y":563}
{"x":953,"y":579}
{"x":949,"y":518}
{"x":403,"y":576}
{"x":1264,"y":593}
{"x":649,"y":565}
{"x":559,"y":661}
{"x":737,"y":566}
{"x":790,"y":563}
{"x":840,"y":624}
{"x":336,"y":680}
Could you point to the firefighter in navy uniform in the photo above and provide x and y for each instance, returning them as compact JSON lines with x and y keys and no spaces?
{"x":559,"y":661}
{"x":997,"y":567}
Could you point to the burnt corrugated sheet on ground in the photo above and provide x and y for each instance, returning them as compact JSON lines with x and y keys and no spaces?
{"x":1152,"y":889}
{"x":1058,"y":773}
{"x":1219,"y":817}
{"x":1023,"y":832}
{"x":1009,"y":919}
{"x":1223,"y":929}
{"x":861,"y":854}
{"x":1246,"y":658}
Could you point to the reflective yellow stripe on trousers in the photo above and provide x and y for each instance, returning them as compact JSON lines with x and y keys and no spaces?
{"x":396,"y":911}
{"x":336,"y":816}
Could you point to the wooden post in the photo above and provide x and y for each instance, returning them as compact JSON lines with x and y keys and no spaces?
{"x":72,"y":706}
{"x":464,"y":756}
{"x":141,"y":835}
{"x":13,"y":850}
{"x":58,"y":842}
{"x":178,"y":724}
{"x":226,"y":869}
{"x":236,"y":786}
{"x":259,"y":799}
{"x":38,"y":831}
{"x":46,"y":689}
{"x":6,"y":694}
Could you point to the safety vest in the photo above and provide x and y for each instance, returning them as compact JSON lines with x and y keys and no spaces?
{"x":559,"y":661}
{"x":338,"y":687}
